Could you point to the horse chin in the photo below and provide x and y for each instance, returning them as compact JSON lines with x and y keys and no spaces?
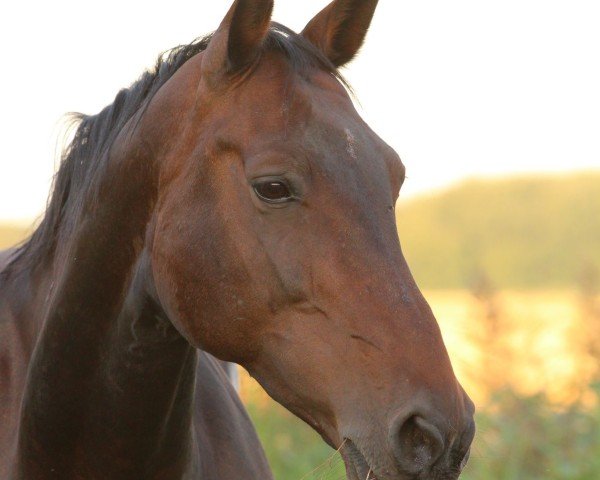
{"x":357,"y":467}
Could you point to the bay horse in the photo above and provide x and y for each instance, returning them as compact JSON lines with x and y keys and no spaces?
{"x":231,"y":201}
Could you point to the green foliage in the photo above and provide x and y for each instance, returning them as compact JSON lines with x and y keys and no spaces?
{"x":524,"y":438}
{"x":536,"y":232}
{"x":518,"y":438}
{"x":294,"y":450}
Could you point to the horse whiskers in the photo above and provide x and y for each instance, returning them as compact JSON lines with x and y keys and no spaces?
{"x":327,"y":462}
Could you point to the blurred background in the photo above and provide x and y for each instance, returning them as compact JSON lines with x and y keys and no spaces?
{"x":494,"y":108}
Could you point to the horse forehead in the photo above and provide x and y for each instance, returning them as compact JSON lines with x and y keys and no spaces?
{"x":336,"y":128}
{"x":314,"y":113}
{"x":276,"y":89}
{"x":311,"y":111}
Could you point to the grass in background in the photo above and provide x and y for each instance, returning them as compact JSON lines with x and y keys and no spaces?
{"x":295,"y":451}
{"x":519,"y":437}
{"x":528,"y":438}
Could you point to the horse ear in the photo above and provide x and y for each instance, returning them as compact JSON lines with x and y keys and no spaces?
{"x":340,"y":28}
{"x":238,"y":40}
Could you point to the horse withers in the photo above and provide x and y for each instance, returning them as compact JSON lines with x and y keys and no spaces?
{"x":231,"y":201}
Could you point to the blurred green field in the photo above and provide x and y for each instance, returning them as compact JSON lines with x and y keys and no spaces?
{"x":294,"y":450}
{"x":519,"y":438}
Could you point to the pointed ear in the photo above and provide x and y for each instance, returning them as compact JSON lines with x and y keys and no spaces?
{"x":238,"y":40}
{"x":340,"y":28}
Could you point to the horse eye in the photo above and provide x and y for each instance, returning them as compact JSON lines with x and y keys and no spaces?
{"x":272,"y":191}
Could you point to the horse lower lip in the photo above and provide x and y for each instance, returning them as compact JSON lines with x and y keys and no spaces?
{"x":364,"y":473}
{"x":361,"y":467}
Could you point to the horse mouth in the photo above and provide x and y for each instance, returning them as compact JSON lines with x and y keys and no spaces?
{"x":357,"y":466}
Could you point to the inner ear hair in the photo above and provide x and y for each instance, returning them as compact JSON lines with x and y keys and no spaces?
{"x":340,"y":28}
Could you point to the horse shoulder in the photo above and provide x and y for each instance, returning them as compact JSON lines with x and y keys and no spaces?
{"x":227,"y":442}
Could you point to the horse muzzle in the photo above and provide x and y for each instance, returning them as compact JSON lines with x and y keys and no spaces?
{"x":418,"y":446}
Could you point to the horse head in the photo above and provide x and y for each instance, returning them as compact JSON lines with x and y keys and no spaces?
{"x":274,"y":244}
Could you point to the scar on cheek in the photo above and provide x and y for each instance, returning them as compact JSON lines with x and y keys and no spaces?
{"x":350,"y":144}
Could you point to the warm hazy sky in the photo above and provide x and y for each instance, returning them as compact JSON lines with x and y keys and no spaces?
{"x":459,"y":88}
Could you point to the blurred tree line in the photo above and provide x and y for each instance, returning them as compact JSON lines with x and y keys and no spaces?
{"x":525,"y":232}
{"x":527,"y":436}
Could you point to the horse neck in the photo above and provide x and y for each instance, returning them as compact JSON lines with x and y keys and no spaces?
{"x":110,"y":382}
{"x":110,"y":397}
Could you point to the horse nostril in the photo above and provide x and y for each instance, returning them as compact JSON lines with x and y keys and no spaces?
{"x":417,"y":444}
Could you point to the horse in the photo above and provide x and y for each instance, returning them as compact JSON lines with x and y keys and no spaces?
{"x":231,"y":202}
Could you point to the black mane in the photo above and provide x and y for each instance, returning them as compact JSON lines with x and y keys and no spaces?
{"x":82,"y":160}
